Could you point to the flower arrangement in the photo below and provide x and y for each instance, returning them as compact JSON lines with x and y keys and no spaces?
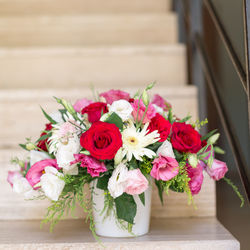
{"x":121,"y":142}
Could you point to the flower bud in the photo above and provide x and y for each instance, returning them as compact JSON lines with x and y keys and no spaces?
{"x":118,"y":157}
{"x":145,"y":97}
{"x":213,"y":139}
{"x":30,"y":146}
{"x":193,"y":160}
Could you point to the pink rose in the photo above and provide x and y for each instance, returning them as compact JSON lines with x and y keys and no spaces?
{"x":34,"y":174}
{"x":94,"y":167}
{"x":137,"y":183}
{"x":80,"y":104}
{"x":161,"y":102}
{"x":164,"y":168}
{"x":115,"y":95}
{"x":196,"y":178}
{"x":150,"y":112}
{"x":13,"y":175}
{"x":217,"y":170}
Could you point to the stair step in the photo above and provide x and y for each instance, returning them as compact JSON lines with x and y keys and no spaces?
{"x":88,"y":30}
{"x":103,"y":66}
{"x":186,"y":234}
{"x":22,"y":118}
{"x":53,"y":7}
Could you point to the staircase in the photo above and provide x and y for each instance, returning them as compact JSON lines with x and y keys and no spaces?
{"x":57,"y":48}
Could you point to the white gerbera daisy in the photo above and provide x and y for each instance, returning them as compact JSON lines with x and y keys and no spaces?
{"x":135,"y":142}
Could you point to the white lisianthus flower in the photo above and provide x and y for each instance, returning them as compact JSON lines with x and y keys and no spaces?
{"x":51,"y":183}
{"x":135,"y":142}
{"x":166,"y":149}
{"x":36,"y":156}
{"x":118,"y":181}
{"x":121,"y":108}
{"x":21,"y":185}
{"x":65,"y":155}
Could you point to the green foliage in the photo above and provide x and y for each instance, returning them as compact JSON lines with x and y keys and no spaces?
{"x":145,"y":165}
{"x":236,"y":190}
{"x":160,"y":188}
{"x":205,"y":137}
{"x":108,"y":205}
{"x":48,"y":117}
{"x":126,"y":208}
{"x":133,"y":164}
{"x":102,"y":182}
{"x":198,"y":124}
{"x":115,"y":119}
{"x":154,"y":147}
{"x":170,"y":116}
{"x":187,"y":118}
{"x":142,"y":198}
{"x":44,"y":137}
{"x":73,"y":193}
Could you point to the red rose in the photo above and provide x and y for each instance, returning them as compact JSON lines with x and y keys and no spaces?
{"x":43,"y":143}
{"x":185,"y":138}
{"x":158,"y":122}
{"x":95,"y":110}
{"x":102,"y":140}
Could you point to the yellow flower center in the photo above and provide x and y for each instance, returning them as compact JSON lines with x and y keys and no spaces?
{"x":132,"y":140}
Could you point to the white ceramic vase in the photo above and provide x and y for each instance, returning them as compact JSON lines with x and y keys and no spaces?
{"x":109,"y":227}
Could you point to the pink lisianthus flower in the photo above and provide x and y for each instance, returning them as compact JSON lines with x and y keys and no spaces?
{"x":196,"y":178}
{"x":164,"y":168}
{"x":34,"y":174}
{"x":161,"y":102}
{"x":115,"y":95}
{"x":137,"y":183}
{"x":217,"y":170}
{"x":142,"y":108}
{"x":12,"y":176}
{"x":80,"y":104}
{"x":94,"y":167}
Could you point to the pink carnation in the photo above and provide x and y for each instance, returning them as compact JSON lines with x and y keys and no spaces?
{"x":161,"y":102}
{"x":217,"y":170}
{"x":94,"y":167}
{"x":196,"y":178}
{"x":136,"y":182}
{"x":13,"y":175}
{"x":150,"y":112}
{"x":164,"y":168}
{"x":80,"y":104}
{"x":34,"y":174}
{"x":115,"y":95}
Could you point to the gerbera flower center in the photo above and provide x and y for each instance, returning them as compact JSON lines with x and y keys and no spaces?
{"x":132,"y":140}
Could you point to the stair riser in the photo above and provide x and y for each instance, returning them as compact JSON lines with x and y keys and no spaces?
{"x":87,"y":30}
{"x":23,"y":117}
{"x":47,"y":7}
{"x":102,"y":67}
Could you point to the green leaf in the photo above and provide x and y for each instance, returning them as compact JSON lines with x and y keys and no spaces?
{"x":186,"y":118}
{"x":48,"y":117}
{"x":170,"y":116}
{"x":133,"y":164}
{"x":160,"y":190}
{"x":154,"y":147}
{"x":205,"y":137}
{"x":126,"y":208}
{"x":44,"y":137}
{"x":115,"y":119}
{"x":23,"y":146}
{"x":142,"y":198}
{"x":103,"y":182}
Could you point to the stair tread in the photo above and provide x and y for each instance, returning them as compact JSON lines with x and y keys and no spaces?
{"x":34,"y":7}
{"x":88,"y":29}
{"x":174,"y":233}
